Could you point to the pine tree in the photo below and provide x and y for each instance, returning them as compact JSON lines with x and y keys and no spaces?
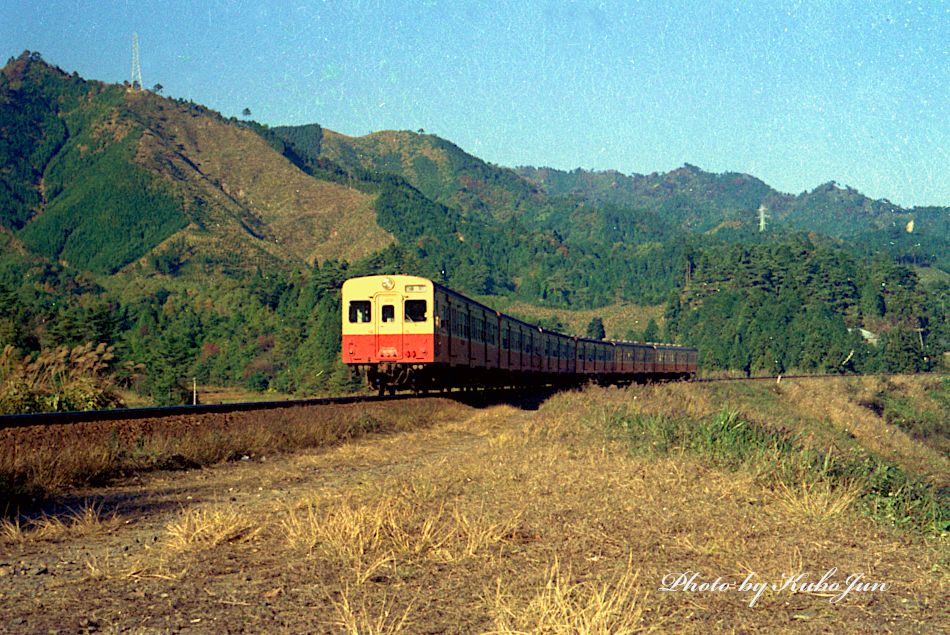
{"x":652,"y":332}
{"x":595,"y":329}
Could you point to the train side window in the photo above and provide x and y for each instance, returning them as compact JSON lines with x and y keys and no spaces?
{"x":360,"y":311}
{"x":416,"y":310}
{"x":389,"y":313}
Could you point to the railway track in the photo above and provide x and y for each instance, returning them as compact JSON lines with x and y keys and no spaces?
{"x":159,"y":412}
{"x":131,"y":414}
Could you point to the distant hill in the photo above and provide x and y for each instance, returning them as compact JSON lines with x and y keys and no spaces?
{"x":701,"y":200}
{"x":439,"y":169}
{"x":99,"y":176}
{"x":577,"y":203}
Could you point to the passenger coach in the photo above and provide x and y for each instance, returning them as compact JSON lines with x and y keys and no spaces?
{"x":412,"y":333}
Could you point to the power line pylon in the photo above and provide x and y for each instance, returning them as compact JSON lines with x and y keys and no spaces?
{"x":136,"y":67}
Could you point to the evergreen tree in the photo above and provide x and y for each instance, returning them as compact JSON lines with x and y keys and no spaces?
{"x":652,"y":331}
{"x":595,"y":329}
{"x":901,"y":352}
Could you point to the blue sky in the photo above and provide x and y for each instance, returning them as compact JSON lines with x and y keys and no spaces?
{"x":795,"y":93}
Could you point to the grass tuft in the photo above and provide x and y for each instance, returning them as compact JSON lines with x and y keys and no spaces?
{"x":204,"y":528}
{"x":88,"y":520}
{"x":819,"y":499}
{"x":380,"y":618}
{"x":563,"y":606}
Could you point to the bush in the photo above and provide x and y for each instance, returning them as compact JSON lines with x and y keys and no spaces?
{"x":57,"y":380}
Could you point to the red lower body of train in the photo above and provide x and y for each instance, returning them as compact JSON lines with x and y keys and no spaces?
{"x":410,"y":333}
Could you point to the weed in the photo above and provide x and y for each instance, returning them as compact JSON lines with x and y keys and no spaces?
{"x":563,"y":606}
{"x":85,"y":521}
{"x":204,"y":528}
{"x":382,"y":618}
{"x":819,"y":499}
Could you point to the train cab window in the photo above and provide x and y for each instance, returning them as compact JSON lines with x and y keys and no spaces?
{"x":360,"y":311}
{"x":416,"y":310}
{"x":389,"y":313}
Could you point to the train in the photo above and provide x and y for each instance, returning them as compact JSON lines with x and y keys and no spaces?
{"x":412,"y":333}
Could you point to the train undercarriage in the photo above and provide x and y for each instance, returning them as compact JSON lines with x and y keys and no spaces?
{"x":422,"y":378}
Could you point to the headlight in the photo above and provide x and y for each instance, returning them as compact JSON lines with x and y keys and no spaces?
{"x":388,"y":284}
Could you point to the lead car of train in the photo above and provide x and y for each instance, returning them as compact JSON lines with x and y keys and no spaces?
{"x":410,"y":333}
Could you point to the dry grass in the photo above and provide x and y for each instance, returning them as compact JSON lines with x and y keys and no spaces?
{"x":825,"y":401}
{"x":185,"y":542}
{"x":88,"y":520}
{"x":381,"y":617}
{"x":818,"y":500}
{"x":388,"y":533}
{"x":822,"y":458}
{"x":563,"y":606}
{"x":39,"y":462}
{"x":205,"y":528}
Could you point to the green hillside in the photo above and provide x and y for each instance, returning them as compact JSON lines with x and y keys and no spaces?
{"x":439,"y":169}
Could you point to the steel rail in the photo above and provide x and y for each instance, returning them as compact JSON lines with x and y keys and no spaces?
{"x":158,"y":412}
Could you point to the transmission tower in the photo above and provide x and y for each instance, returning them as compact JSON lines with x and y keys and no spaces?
{"x":762,"y":217}
{"x":136,"y":67}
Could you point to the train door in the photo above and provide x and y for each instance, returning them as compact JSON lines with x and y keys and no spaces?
{"x":505,"y":339}
{"x":389,"y":326}
{"x":469,"y":333}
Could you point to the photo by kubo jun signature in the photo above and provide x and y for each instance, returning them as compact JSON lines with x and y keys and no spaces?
{"x":690,"y":582}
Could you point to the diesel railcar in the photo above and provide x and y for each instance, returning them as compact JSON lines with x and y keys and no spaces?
{"x":411,"y":333}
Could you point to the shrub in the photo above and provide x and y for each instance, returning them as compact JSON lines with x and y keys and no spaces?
{"x":57,"y":380}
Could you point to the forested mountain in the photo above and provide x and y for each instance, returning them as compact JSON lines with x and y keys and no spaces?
{"x":439,"y":169}
{"x":213,"y":248}
{"x":622,"y":208}
{"x":99,"y":176}
{"x":701,"y":201}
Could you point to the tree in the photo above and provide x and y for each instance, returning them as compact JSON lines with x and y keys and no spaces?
{"x":157,"y":88}
{"x":652,"y":332}
{"x":595,"y":329}
{"x":246,"y":112}
{"x":551,"y":323}
{"x":901,"y":352}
